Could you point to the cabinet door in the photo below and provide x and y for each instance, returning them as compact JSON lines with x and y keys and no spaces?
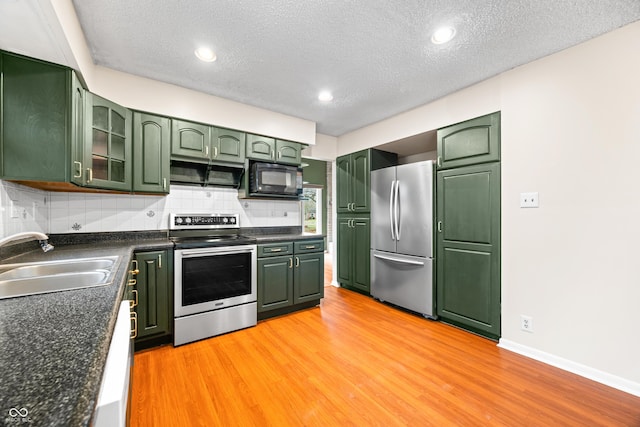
{"x":468,"y":143}
{"x":361,"y":175}
{"x":343,"y":184}
{"x":260,"y":148}
{"x":309,"y":277}
{"x":107,"y":144}
{"x":288,"y":152}
{"x":361,"y":253}
{"x":34,"y":133}
{"x":468,"y":248}
{"x":190,"y":140}
{"x":151,"y":141}
{"x":275,"y":283}
{"x":227,"y":145}
{"x":345,"y":250}
{"x":153,"y":294}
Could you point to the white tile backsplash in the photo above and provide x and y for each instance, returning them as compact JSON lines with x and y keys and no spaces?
{"x":59,"y":212}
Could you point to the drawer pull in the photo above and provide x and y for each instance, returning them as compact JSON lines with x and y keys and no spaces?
{"x":275,"y":250}
{"x":132,"y":282}
{"x":134,"y":303}
{"x":134,"y":331}
{"x":310,"y":247}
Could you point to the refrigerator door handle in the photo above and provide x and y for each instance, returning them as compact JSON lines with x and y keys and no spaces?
{"x":391,"y":220}
{"x":400,"y":260}
{"x":397,"y":210}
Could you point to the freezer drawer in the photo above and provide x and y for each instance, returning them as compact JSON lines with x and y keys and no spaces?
{"x":405,"y":281}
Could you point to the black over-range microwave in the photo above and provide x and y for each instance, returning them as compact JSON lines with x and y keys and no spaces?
{"x":275,"y":180}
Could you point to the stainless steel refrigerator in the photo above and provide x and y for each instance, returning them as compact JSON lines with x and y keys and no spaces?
{"x":402,"y":236}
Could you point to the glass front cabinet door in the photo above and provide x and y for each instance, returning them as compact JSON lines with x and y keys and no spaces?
{"x":107,"y":144}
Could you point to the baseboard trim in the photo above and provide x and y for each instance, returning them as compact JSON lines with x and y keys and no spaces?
{"x":584,"y":371}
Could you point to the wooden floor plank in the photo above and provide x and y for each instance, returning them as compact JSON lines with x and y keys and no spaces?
{"x":356,"y":362}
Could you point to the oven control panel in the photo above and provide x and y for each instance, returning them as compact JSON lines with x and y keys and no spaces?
{"x":203,"y":221}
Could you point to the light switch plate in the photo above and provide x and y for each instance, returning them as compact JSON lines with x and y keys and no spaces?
{"x":529,"y":200}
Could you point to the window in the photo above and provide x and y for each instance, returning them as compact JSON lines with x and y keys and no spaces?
{"x":312,"y":210}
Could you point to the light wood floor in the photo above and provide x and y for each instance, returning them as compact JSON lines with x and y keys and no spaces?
{"x":356,"y":362}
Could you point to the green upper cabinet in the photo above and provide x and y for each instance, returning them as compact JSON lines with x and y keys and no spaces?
{"x":274,"y":150}
{"x":35,"y":124}
{"x":472,"y":142}
{"x":289,"y":152}
{"x":201,"y":143}
{"x":151,"y":146}
{"x":261,"y":148}
{"x":227,"y":145}
{"x":353,"y":178}
{"x":107,"y":144}
{"x":190,"y":140}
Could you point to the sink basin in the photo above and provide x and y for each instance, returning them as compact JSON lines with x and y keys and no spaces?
{"x":36,"y":278}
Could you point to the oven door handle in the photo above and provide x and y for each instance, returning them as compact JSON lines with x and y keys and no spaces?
{"x":226,"y":251}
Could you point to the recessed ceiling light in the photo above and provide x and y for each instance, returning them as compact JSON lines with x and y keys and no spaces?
{"x":325,"y":96}
{"x":443,"y":35}
{"x":205,"y":54}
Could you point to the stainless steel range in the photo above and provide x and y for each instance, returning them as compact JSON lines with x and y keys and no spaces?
{"x":214,"y":275}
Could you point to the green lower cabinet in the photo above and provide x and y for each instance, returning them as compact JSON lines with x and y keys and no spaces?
{"x":154,"y":298}
{"x":275,"y":283}
{"x":354,"y":237}
{"x":308,"y":277}
{"x":289,"y":279}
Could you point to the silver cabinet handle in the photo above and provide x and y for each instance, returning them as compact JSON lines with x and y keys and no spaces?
{"x":297,"y":262}
{"x":279,"y":154}
{"x":290,"y":262}
{"x":439,"y":162}
{"x":79,"y":164}
{"x":164,"y":183}
{"x":439,"y":226}
{"x":275,"y":250}
{"x":310,"y":247}
{"x":215,"y":151}
{"x":90,"y":171}
{"x":206,"y":150}
{"x":159,"y":260}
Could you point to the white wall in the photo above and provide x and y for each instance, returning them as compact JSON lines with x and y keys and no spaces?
{"x":571,"y":131}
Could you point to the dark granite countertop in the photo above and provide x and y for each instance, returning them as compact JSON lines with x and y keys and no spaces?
{"x":53,"y":346}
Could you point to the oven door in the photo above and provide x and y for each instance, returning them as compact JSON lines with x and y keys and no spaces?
{"x":213,"y":278}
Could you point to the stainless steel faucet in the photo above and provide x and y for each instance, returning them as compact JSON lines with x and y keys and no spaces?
{"x":43,"y":239}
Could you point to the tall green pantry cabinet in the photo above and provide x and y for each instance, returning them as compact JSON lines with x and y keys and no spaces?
{"x":353,"y":195}
{"x":468,"y":214}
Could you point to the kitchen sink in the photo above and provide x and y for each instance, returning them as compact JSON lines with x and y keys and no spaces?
{"x":53,"y":276}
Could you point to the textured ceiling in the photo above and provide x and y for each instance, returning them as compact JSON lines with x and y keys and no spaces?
{"x":374,"y":55}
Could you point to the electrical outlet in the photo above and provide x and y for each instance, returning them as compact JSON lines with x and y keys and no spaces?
{"x":529,"y":200}
{"x":526,"y":323}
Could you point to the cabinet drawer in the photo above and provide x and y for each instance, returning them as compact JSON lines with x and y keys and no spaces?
{"x":309,"y":246}
{"x":275,"y":249}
